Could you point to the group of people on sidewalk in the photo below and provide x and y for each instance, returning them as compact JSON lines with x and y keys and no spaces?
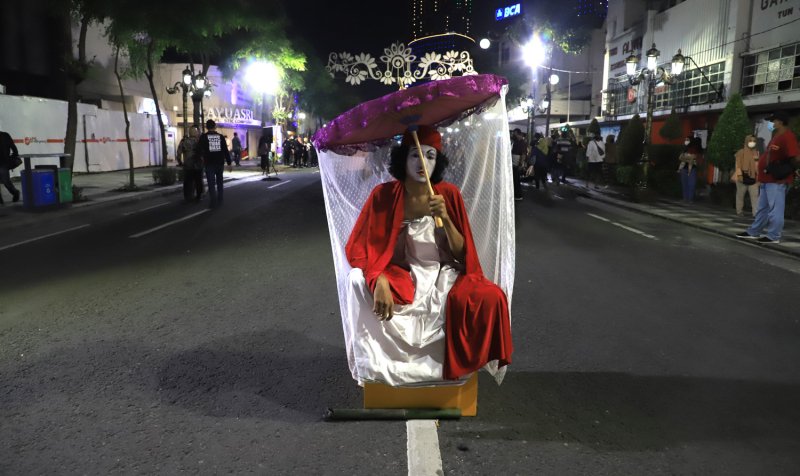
{"x":767,"y":177}
{"x":558,"y":156}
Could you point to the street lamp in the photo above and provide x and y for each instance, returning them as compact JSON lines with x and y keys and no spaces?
{"x":184,"y":85}
{"x":265,"y":78}
{"x":652,"y":74}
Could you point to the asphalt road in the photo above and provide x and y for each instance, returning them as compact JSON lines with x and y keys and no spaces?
{"x":214,"y":344}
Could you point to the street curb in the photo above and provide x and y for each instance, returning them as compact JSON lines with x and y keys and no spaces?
{"x":621,"y":204}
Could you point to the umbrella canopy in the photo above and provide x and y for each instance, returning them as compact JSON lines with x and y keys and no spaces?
{"x":437,"y":103}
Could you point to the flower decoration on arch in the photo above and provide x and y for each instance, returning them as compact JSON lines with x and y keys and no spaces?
{"x":399,"y":66}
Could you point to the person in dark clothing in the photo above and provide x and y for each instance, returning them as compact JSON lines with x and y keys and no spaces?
{"x":236,"y":148}
{"x":540,"y":162}
{"x":192,"y":166}
{"x":8,"y":150}
{"x":565,"y":156}
{"x":264,"y":150}
{"x":518,"y":152}
{"x":215,"y":154}
{"x":303,"y":151}
{"x":312,"y":155}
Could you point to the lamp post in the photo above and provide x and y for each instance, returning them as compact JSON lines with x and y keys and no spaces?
{"x":184,"y":85}
{"x":651,"y":74}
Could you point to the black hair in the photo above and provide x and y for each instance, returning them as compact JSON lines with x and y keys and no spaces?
{"x":210,"y":124}
{"x":397,"y":164}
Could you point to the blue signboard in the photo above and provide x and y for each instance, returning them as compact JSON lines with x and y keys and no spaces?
{"x":509,"y":11}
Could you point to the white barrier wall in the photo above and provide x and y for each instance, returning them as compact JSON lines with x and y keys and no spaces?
{"x":38,"y":126}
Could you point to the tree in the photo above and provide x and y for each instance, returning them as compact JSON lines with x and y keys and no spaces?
{"x":85,"y":12}
{"x":728,"y":136}
{"x":631,"y":142}
{"x":672,"y":128}
{"x":131,"y":182}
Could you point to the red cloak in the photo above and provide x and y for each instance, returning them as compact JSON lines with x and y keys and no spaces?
{"x":477,"y":328}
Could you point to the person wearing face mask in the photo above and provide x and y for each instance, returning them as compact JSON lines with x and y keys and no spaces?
{"x":745,"y":174}
{"x":427,"y":313}
{"x":775,"y":173}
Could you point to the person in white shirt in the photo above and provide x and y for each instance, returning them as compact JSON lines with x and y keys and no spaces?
{"x":595,"y":152}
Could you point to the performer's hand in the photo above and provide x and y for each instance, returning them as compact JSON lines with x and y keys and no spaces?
{"x":438,"y":207}
{"x":384,"y":303}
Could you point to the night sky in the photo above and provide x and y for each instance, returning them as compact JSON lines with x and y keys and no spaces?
{"x":354,"y":26}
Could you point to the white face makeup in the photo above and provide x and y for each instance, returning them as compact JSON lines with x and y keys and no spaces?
{"x":414,"y":166}
{"x":751,"y":144}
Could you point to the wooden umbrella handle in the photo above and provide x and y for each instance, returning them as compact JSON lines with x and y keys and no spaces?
{"x":424,"y":162}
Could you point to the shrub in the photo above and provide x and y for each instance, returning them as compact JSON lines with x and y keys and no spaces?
{"x":164,"y":175}
{"x":672,"y":128}
{"x":631,"y":142}
{"x":729,"y":134}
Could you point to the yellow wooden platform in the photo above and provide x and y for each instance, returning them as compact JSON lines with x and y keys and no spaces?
{"x":463,"y":397}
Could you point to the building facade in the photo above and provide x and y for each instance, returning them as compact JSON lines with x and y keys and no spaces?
{"x":750,"y":47}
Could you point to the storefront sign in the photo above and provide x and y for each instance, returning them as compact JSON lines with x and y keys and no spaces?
{"x":769,"y":17}
{"x":230,"y":115}
{"x":507,"y":12}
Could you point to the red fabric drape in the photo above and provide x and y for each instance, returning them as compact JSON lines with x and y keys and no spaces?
{"x":477,"y":322}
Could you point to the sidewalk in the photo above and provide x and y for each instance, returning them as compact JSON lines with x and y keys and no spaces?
{"x":700,"y":214}
{"x":105,"y":187}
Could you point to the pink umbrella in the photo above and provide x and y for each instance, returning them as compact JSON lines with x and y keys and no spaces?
{"x":437,"y":103}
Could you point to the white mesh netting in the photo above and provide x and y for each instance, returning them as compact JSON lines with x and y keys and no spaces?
{"x":479,"y":150}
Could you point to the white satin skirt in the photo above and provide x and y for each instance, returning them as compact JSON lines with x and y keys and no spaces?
{"x":409,"y":349}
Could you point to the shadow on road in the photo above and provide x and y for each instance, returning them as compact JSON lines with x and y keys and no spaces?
{"x":615,"y":411}
{"x":233,"y":377}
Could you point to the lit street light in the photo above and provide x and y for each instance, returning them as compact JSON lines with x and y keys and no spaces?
{"x":184,"y":85}
{"x":652,"y":74}
{"x":265,"y":78}
{"x":485,"y":44}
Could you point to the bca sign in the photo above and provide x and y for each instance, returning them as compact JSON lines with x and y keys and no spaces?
{"x":506,"y":12}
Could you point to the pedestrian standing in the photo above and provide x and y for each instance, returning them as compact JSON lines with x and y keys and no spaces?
{"x":541,"y":162}
{"x":595,"y":151}
{"x":189,"y":150}
{"x":8,"y":153}
{"x":264,"y":149}
{"x":303,"y":152}
{"x":687,"y":168}
{"x":745,"y":175}
{"x":215,"y":153}
{"x":312,"y":154}
{"x":776,"y":171}
{"x":518,"y":152}
{"x":236,"y":148}
{"x":565,"y":156}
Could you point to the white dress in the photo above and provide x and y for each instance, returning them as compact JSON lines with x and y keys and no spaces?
{"x":408,"y":349}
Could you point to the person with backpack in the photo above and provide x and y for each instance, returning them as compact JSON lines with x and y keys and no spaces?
{"x":595,"y":152}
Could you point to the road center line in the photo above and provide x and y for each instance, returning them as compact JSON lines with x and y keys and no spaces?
{"x":279,"y":184}
{"x":423,"y":452}
{"x":43,"y":237}
{"x":144,"y":209}
{"x":159,"y":227}
{"x":624,"y":227}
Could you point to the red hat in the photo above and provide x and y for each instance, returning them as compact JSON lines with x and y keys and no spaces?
{"x":427,"y":135}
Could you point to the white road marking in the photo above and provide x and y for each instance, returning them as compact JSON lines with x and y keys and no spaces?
{"x":242,"y":181}
{"x":159,"y":227}
{"x":424,"y":457}
{"x":43,"y":237}
{"x":145,"y":209}
{"x":279,"y":184}
{"x":624,"y":227}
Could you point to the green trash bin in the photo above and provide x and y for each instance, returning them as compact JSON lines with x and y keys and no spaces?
{"x":64,"y":185}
